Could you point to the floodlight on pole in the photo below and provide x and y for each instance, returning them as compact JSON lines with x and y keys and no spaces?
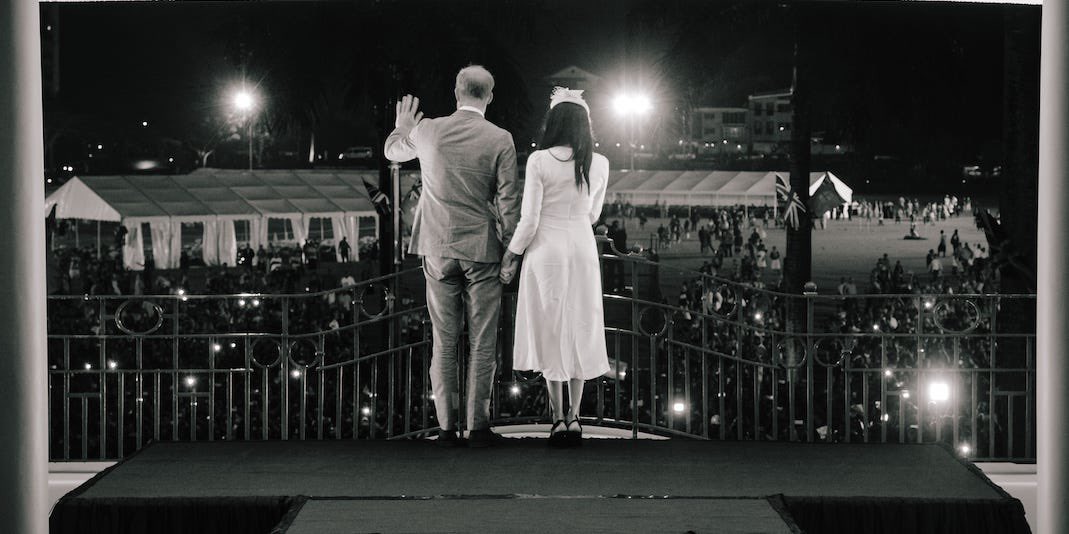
{"x":245,"y":102}
{"x":632,"y":106}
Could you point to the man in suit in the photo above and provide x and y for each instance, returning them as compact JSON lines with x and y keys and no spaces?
{"x":465,"y":217}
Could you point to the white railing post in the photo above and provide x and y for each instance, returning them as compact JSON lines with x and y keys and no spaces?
{"x":23,"y":373}
{"x":1052,"y":333}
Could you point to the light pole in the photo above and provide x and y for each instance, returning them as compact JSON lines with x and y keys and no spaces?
{"x":245,"y":102}
{"x":632,"y":106}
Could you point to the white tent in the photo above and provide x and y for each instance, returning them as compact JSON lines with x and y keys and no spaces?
{"x":708,"y":188}
{"x":217,"y":198}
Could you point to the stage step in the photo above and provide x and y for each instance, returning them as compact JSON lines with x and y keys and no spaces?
{"x":539,"y":515}
{"x":619,"y":484}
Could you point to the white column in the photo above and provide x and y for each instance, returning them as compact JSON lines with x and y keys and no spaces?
{"x":23,"y":369}
{"x":1052,"y":392}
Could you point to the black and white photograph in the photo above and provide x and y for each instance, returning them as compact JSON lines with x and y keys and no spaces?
{"x":428,"y":266}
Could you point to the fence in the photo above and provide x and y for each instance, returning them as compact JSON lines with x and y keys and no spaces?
{"x":351,"y":363}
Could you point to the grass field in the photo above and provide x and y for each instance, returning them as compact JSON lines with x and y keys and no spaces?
{"x":845,"y":248}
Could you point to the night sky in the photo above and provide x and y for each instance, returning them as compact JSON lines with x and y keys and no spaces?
{"x":915,"y":80}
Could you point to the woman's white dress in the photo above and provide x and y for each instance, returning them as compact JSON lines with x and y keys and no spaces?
{"x":560,"y":323}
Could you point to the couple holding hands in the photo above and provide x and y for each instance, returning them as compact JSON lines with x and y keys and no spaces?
{"x":471,"y":227}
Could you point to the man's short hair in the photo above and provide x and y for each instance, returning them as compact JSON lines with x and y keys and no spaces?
{"x":475,"y":81}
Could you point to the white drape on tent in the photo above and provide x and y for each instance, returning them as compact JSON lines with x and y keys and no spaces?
{"x":221,"y":195}
{"x":228,"y":243}
{"x":161,"y":243}
{"x":134,"y":248}
{"x":176,"y":244}
{"x":257,"y":233}
{"x":345,"y":226}
{"x":210,"y":243}
{"x":300,"y":228}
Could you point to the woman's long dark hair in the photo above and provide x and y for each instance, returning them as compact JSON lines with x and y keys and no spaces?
{"x":568,"y":125}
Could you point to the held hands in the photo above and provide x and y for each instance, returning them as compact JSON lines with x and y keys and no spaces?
{"x":408,"y":115}
{"x":510,"y":264}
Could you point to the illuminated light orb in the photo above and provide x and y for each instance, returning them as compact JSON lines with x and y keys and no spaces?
{"x":243,"y":100}
{"x":939,"y":391}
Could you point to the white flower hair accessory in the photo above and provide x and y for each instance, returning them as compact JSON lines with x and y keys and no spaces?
{"x":563,"y":94}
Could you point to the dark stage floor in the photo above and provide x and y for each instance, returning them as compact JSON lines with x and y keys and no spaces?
{"x":622,"y":485}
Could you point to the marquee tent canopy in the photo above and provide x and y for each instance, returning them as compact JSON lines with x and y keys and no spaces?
{"x":217,"y":198}
{"x":708,"y":188}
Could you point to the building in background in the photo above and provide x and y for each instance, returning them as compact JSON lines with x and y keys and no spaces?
{"x":720,"y":130}
{"x":574,"y":77}
{"x":770,"y":121}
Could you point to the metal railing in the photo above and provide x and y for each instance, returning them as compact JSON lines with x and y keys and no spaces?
{"x":351,"y":363}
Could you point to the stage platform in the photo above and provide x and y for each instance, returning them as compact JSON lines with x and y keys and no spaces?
{"x":608,"y":485}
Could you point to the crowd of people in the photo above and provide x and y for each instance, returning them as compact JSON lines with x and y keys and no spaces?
{"x":281,"y":270}
{"x":275,"y":269}
{"x":907,"y":210}
{"x":728,"y":290}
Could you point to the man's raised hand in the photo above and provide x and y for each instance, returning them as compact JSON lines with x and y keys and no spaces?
{"x":408,"y":114}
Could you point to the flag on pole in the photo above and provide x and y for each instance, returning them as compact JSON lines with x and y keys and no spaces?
{"x":793,"y":208}
{"x":782,"y":189}
{"x":378,"y":198}
{"x":794,"y":211}
{"x":825,"y":198}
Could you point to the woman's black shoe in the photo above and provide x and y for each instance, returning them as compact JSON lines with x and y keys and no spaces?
{"x":574,"y":438}
{"x":558,"y":438}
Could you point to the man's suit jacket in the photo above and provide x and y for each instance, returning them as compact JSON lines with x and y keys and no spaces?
{"x":470,"y":203}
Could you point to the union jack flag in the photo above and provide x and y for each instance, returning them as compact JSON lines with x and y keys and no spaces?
{"x":379,"y":199}
{"x":782,"y":189}
{"x":793,"y":207}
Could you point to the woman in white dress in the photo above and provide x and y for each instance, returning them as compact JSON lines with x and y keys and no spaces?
{"x":560,"y":324}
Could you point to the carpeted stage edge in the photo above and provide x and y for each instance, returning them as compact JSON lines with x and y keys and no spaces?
{"x":301,"y":487}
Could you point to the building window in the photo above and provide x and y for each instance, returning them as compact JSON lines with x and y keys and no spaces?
{"x":738,"y":117}
{"x":768,"y":128}
{"x":768,"y":108}
{"x":757,"y":110}
{"x":783,"y":108}
{"x":757,"y":127}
